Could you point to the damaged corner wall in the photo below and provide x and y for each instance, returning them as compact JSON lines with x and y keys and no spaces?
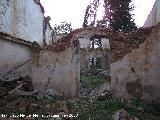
{"x":15,"y":59}
{"x":138,"y":73}
{"x":23,"y":19}
{"x":48,"y":34}
{"x":57,"y":72}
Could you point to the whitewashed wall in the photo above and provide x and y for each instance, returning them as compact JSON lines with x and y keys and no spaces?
{"x":48,"y":35}
{"x":22,"y":18}
{"x":105,"y":43}
{"x":13,"y":55}
{"x":154,"y":16}
{"x":84,"y":42}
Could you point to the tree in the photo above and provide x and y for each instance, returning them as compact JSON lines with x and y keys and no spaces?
{"x":117,"y":15}
{"x":63,"y":28}
{"x":85,"y":22}
{"x":91,"y":14}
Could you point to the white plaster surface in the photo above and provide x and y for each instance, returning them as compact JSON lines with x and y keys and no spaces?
{"x":22,"y":19}
{"x":154,"y":16}
{"x":84,"y":42}
{"x":48,"y":33}
{"x":12,"y":55}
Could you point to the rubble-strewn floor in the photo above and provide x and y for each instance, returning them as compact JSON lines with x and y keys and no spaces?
{"x":98,"y":104}
{"x":92,"y":79}
{"x":99,"y":110}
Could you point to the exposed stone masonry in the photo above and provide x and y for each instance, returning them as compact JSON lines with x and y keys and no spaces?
{"x":121,"y":43}
{"x":55,"y":65}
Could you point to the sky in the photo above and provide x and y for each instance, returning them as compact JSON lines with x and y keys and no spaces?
{"x":73,"y":11}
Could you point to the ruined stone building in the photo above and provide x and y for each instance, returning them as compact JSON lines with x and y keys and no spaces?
{"x":89,"y":52}
{"x":27,"y":48}
{"x":25,"y":34}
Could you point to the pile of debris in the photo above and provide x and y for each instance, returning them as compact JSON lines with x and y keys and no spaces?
{"x":95,"y":85}
{"x":20,"y":86}
{"x":123,"y":115}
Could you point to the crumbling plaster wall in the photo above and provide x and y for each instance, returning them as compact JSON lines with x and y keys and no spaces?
{"x":53,"y":70}
{"x":86,"y":54}
{"x":57,"y":67}
{"x":48,"y":34}
{"x":134,"y":60}
{"x":84,"y":42}
{"x":138,"y":73}
{"x":14,"y":60}
{"x":119,"y":44}
{"x":57,"y":71}
{"x":84,"y":36}
{"x":105,"y":43}
{"x":83,"y":60}
{"x":22,"y":19}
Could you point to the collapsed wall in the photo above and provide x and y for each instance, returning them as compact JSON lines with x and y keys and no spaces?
{"x":56,"y":69}
{"x":24,"y":19}
{"x":134,"y":60}
{"x":88,"y":53}
{"x":26,"y":49}
{"x":54,"y":66}
{"x":137,"y":73}
{"x":89,"y":50}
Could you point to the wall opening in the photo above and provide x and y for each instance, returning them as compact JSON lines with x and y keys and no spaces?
{"x":95,"y":43}
{"x":95,"y":63}
{"x":95,"y":57}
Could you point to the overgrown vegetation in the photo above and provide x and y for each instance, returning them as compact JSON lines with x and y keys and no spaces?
{"x":62,"y":29}
{"x":95,"y":80}
{"x":104,"y":110}
{"x":99,"y":110}
{"x":83,"y":109}
{"x":88,"y":82}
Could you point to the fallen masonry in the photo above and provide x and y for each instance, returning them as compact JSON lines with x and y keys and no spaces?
{"x":105,"y":75}
{"x":34,"y":64}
